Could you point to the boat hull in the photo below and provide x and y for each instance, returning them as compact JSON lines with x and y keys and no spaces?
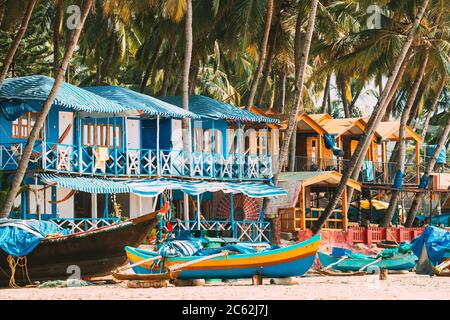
{"x":81,"y":255}
{"x":401,"y":262}
{"x":291,"y":261}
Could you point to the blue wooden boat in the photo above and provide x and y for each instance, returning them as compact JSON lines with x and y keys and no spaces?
{"x":291,"y":261}
{"x":399,"y":262}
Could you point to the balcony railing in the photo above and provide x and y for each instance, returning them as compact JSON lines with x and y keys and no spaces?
{"x":294,"y":219}
{"x":64,"y":158}
{"x":371,"y":172}
{"x":243,"y":231}
{"x":74,"y":225}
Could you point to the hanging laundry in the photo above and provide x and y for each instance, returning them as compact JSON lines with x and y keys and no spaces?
{"x":101,"y":156}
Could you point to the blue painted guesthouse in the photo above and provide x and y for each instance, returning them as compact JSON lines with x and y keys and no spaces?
{"x":108,"y":151}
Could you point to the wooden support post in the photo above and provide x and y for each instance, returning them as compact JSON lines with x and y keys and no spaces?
{"x":115,"y":142}
{"x":319,"y":152}
{"x":257,"y":280}
{"x":344,"y":209}
{"x":23,"y":204}
{"x":198,"y":212}
{"x":106,"y":210}
{"x":417,"y":162}
{"x":239,"y":149}
{"x":158,"y":165}
{"x":302,"y":197}
{"x":79,"y":144}
{"x":186,"y":210}
{"x":383,"y":160}
{"x":233,"y":224}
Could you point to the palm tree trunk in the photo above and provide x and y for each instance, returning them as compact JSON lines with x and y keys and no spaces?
{"x":400,"y":167}
{"x":59,"y":8}
{"x":325,"y":94}
{"x":292,"y":152}
{"x":262,"y":55}
{"x":282,"y":98}
{"x":193,"y":77}
{"x":301,"y":63}
{"x":23,"y":164}
{"x":389,"y":101}
{"x":414,"y":113}
{"x":374,"y":120}
{"x":15,"y":44}
{"x":389,"y":108}
{"x":353,"y":102}
{"x":186,"y":67}
{"x":300,"y":77}
{"x":107,"y":63}
{"x":433,"y":106}
{"x":170,"y":58}
{"x":269,"y":61}
{"x":342,"y":90}
{"x":2,"y":13}
{"x":429,"y":168}
{"x":174,"y":87}
{"x":149,"y":68}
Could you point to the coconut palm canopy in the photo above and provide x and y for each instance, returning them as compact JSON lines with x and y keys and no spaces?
{"x":135,"y":100}
{"x":18,"y":95}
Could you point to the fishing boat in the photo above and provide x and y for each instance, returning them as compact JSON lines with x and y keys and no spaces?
{"x":294,"y":260}
{"x":84,"y":254}
{"x":348,"y":264}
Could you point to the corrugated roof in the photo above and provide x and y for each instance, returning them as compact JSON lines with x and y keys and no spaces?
{"x":301,"y":176}
{"x":33,"y":90}
{"x":138,"y":101}
{"x":318,"y":177}
{"x":209,"y":108}
{"x":341,"y":126}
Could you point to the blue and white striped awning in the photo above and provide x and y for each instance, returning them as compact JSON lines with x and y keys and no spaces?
{"x":32,"y":91}
{"x":154,"y":187}
{"x":137,"y":101}
{"x":86,"y":184}
{"x":151,"y":188}
{"x":212,"y":109}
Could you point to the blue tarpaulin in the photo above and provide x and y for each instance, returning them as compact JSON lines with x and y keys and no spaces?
{"x":20,"y":237}
{"x":442,"y":157}
{"x":398,"y":180}
{"x":368,"y":170}
{"x":330,"y":143}
{"x":436,"y":241}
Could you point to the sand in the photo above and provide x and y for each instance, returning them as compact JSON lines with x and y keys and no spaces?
{"x":311,"y":286}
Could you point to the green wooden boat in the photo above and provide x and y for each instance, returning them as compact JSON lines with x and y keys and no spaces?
{"x":398,"y":262}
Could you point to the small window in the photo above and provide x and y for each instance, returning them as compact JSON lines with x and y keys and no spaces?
{"x":22,"y":126}
{"x":101,"y":135}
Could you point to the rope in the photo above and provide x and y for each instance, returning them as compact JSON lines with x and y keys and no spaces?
{"x":13,"y":264}
{"x":67,"y":197}
{"x":335,"y":263}
{"x":369,"y":264}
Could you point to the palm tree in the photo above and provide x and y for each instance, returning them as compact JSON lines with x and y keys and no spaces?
{"x":374,"y":120}
{"x":186,"y":68}
{"x":57,"y":25}
{"x":23,"y":164}
{"x":15,"y":44}
{"x":400,"y":167}
{"x":262,"y":55}
{"x":301,"y":63}
{"x":433,"y":106}
{"x":429,"y":168}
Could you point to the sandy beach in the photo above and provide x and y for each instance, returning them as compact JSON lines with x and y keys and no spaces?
{"x":312,"y":287}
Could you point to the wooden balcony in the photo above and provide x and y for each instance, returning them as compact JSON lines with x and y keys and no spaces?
{"x":371,"y":172}
{"x":140,"y":163}
{"x":295,"y":219}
